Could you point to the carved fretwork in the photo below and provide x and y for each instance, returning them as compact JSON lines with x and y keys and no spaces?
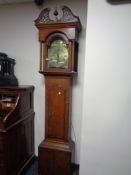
{"x":57,"y":15}
{"x":44,"y":17}
{"x":68,"y":15}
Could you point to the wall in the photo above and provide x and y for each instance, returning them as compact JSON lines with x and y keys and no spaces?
{"x":106,"y":122}
{"x":19,"y":39}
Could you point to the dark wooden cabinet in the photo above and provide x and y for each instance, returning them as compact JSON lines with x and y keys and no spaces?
{"x":16,"y":129}
{"x":58,"y":36}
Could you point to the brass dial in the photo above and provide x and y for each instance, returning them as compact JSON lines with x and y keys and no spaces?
{"x":57,"y":55}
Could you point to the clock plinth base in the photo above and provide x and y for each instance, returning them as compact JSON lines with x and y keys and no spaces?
{"x":55,"y":158}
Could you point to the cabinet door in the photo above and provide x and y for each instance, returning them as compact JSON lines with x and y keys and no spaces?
{"x":58,"y":94}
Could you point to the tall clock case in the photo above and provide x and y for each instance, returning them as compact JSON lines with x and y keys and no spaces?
{"x":58,"y":62}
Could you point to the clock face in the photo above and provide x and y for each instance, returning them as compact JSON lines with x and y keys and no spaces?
{"x":57,"y":55}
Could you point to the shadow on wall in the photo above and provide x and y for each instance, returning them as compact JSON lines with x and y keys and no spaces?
{"x":39,"y":2}
{"x":118,"y":2}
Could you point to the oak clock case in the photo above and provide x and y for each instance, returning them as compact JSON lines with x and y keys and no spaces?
{"x":58,"y":36}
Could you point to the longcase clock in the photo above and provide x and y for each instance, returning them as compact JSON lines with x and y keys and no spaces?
{"x":58,"y":37}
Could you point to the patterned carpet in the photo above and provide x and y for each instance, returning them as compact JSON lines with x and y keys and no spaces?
{"x":33,"y":170}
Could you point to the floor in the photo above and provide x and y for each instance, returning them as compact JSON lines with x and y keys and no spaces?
{"x":34,"y":169}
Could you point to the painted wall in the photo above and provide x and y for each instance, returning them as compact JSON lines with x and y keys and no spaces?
{"x":19,"y":39}
{"x":106,"y":123}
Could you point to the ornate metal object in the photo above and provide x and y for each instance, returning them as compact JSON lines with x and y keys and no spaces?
{"x":7,"y":76}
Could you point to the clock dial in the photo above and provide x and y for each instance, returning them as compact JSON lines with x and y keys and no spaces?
{"x":57,"y":55}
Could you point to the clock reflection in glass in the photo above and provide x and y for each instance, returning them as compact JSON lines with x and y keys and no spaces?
{"x":57,"y":55}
